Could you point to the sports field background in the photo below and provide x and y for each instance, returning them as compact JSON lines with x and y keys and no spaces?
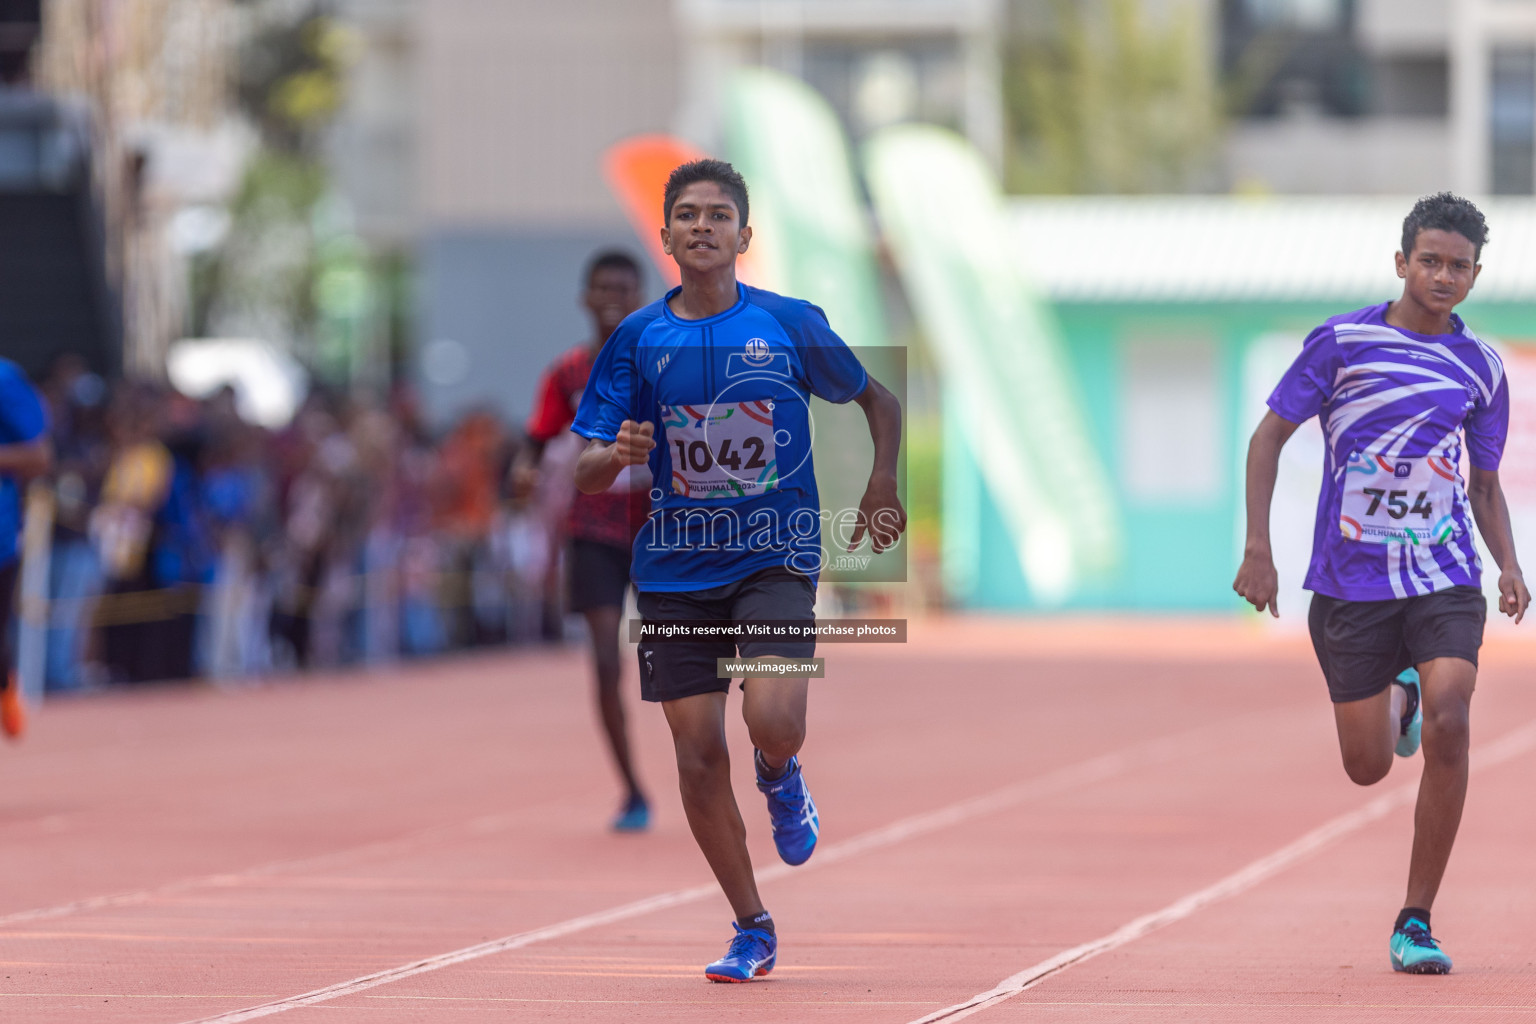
{"x":333,"y":755}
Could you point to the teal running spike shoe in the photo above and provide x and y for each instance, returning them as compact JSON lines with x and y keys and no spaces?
{"x":792,"y":812}
{"x":635,"y":817}
{"x":1413,"y":713}
{"x":752,"y":954}
{"x":1414,"y":951}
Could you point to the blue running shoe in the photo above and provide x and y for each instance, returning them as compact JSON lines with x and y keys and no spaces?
{"x":752,"y":954}
{"x":792,"y":813}
{"x":1413,"y":713}
{"x":635,"y":817}
{"x":1414,"y":951}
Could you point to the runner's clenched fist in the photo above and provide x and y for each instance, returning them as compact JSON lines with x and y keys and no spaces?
{"x":632,"y":446}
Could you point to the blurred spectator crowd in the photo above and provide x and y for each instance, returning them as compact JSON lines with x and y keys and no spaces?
{"x":189,"y":542}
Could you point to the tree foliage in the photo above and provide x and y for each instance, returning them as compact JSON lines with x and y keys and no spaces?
{"x":292,"y":73}
{"x":290,"y":84}
{"x":1109,"y":100}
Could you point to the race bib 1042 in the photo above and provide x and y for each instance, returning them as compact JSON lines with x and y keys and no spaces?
{"x":726,"y":450}
{"x":1398,"y":500}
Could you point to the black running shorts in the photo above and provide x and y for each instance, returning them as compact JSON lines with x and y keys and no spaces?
{"x":599,"y":574}
{"x":1363,"y":645}
{"x":672,"y":670}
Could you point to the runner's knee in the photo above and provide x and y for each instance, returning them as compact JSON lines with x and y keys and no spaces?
{"x":699,"y":765}
{"x":608,"y":700}
{"x":777,"y":735}
{"x":1366,"y":767}
{"x":608,"y":674}
{"x":1447,"y":731}
{"x":1366,"y":771}
{"x":1365,"y":739}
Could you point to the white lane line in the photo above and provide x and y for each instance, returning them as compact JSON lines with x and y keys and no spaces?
{"x":1506,"y":747}
{"x":1062,"y":780}
{"x":484,"y":825}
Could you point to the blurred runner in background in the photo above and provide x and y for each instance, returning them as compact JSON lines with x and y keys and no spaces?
{"x":25,"y":452}
{"x":134,"y":494}
{"x":601,"y":526}
{"x":1398,"y":610}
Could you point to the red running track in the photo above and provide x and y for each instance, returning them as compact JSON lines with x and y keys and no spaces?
{"x":993,"y":795}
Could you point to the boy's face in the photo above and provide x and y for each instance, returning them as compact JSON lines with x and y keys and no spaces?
{"x":1439,"y":272}
{"x":704,"y":232}
{"x":611,"y":295}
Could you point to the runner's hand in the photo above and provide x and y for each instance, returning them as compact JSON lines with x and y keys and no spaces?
{"x":525,"y":480}
{"x":633,"y":445}
{"x":880,"y":515}
{"x":1257,"y":582}
{"x":1514,"y":598}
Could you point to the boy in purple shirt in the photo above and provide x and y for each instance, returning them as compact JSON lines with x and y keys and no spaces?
{"x":1395,"y":575}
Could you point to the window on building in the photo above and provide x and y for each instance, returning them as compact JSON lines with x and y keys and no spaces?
{"x":1512,"y":112}
{"x":1293,"y":56}
{"x":872,"y":83}
{"x":1307,"y":15}
{"x":1171,"y":437}
{"x":1411,"y":86}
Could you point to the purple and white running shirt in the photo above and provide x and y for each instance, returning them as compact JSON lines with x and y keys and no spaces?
{"x":1393,"y":519}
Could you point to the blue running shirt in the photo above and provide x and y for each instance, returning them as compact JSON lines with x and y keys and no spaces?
{"x":734,"y":487}
{"x":1393,"y":519}
{"x":22,"y":419}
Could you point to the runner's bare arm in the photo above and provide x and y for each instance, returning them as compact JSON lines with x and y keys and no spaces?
{"x":600,"y":464}
{"x":880,"y":510}
{"x":523,"y":474}
{"x":1492,"y":514}
{"x":1256,"y":581}
{"x":27,"y":458}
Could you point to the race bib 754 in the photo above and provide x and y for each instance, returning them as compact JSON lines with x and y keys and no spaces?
{"x":1398,"y":500}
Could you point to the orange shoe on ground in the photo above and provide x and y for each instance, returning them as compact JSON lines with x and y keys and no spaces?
{"x":13,"y":713}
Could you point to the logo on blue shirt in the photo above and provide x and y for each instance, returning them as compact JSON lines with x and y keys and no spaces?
{"x":759,"y":361}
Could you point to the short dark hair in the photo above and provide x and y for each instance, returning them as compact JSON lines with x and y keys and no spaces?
{"x":1444,"y":211}
{"x":717,"y":171}
{"x":611,"y":259}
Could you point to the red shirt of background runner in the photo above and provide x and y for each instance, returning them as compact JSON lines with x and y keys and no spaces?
{"x":610,"y":517}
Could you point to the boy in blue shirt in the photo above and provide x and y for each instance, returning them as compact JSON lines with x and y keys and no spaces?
{"x":710,"y":388}
{"x":24,"y":453}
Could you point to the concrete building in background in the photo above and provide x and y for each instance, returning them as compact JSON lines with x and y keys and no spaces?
{"x":876,"y":61}
{"x":479,"y":134}
{"x":152,"y":81}
{"x":371,"y":145}
{"x":1493,"y":95}
{"x":1382,"y":96}
{"x":517,"y":101}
